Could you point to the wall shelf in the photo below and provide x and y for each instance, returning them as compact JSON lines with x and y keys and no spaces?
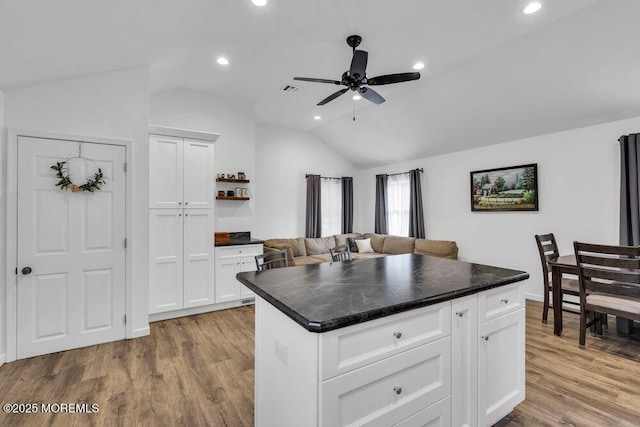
{"x":238,"y":181}
{"x":231,"y":198}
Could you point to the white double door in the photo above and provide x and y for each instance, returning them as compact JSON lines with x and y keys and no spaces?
{"x":70,"y":248}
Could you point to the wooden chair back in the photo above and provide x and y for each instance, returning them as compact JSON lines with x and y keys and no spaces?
{"x":548,"y":250}
{"x":609,"y":269}
{"x":340,"y":253}
{"x":273,"y":259}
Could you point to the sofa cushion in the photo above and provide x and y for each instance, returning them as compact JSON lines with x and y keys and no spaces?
{"x":343,"y":239}
{"x":377,"y":241}
{"x":364,"y":246}
{"x":439,"y":248}
{"x":322,"y":258}
{"x":398,"y":245}
{"x":306,"y":260}
{"x":296,"y":246}
{"x":320,"y":245}
{"x":352,"y":243}
{"x":368,"y":255}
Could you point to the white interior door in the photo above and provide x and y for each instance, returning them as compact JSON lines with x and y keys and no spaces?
{"x":70,"y":246}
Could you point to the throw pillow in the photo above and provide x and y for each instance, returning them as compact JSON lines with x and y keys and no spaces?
{"x":364,"y":246}
{"x":351,"y":241}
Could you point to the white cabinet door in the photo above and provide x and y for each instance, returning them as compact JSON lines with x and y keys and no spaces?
{"x":227,"y":287}
{"x":247,"y":263}
{"x":199,"y":176}
{"x":464,"y":361}
{"x":501,"y":374}
{"x":198,"y":246}
{"x":165,"y":172}
{"x":166,"y":260}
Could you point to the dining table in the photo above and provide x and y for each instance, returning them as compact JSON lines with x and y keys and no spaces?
{"x":566,"y":264}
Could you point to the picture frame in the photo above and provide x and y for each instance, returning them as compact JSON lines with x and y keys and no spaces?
{"x":512,"y":188}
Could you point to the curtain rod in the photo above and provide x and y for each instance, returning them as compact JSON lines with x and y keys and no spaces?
{"x":327,"y":177}
{"x":402,"y":173}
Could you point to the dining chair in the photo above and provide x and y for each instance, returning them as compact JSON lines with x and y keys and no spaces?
{"x":548,"y":249}
{"x":340,"y":253}
{"x":609,"y":278}
{"x":273,"y":259}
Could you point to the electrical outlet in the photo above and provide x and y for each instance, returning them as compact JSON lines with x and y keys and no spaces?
{"x":281,"y":351}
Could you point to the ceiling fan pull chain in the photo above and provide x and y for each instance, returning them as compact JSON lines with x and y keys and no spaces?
{"x":354,"y":110}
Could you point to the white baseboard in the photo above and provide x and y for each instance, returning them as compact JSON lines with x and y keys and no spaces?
{"x":156,"y":317}
{"x":140,"y":332}
{"x":3,"y":359}
{"x":534,"y":297}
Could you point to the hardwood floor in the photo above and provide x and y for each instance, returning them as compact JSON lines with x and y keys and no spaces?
{"x":198,"y":371}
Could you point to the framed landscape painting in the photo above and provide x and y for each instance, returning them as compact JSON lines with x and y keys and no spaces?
{"x":514,"y":188}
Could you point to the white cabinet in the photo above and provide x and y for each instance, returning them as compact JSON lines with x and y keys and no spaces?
{"x":231,"y":260}
{"x":181,"y":271}
{"x":181,"y":173}
{"x":464,"y":348}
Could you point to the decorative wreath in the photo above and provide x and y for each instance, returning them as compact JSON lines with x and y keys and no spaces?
{"x":91,"y":185}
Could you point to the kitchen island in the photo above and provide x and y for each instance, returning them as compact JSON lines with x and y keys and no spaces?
{"x":399,"y":340}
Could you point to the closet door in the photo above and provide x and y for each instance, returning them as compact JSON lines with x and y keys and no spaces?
{"x":198,"y":257}
{"x":165,"y":172}
{"x":166,"y":260}
{"x":199,"y":176}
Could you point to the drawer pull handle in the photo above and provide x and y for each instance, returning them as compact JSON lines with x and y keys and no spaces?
{"x":485,"y":337}
{"x":398,"y":335}
{"x":459,"y":313}
{"x":506,"y":301}
{"x":398,"y":390}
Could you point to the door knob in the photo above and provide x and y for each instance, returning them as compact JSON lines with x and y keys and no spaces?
{"x":26,"y":270}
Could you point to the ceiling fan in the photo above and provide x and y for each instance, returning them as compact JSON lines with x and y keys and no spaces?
{"x":356,"y":77}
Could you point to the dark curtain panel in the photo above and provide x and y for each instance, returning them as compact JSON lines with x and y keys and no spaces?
{"x":416,"y":212}
{"x":314,"y":221}
{"x":381,"y":204}
{"x":347,"y":204}
{"x":630,"y":190}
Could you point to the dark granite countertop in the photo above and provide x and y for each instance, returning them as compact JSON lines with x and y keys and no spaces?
{"x":237,"y":242}
{"x":328,"y":296}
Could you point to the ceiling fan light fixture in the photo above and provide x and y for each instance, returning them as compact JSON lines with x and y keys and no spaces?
{"x":259,"y":2}
{"x":532,"y":7}
{"x":357,"y":97}
{"x":317,"y":117}
{"x":222,"y":60}
{"x":418,"y":66}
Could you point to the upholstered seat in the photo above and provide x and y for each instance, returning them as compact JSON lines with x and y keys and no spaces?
{"x":614,"y":302}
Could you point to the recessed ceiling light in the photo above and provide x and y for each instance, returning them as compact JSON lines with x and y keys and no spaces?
{"x":357,"y":97}
{"x":532,"y":7}
{"x":259,"y":2}
{"x":316,"y":117}
{"x":222,"y":61}
{"x":418,"y":66}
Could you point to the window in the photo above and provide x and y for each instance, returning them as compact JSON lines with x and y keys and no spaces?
{"x":398,"y":189}
{"x":331,"y":205}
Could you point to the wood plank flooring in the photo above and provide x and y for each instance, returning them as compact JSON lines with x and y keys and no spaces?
{"x":198,"y":371}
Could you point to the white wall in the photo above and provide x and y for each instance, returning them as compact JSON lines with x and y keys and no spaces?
{"x":285,"y":156}
{"x":578,"y":180}
{"x":110,"y":105}
{"x":234,"y":150}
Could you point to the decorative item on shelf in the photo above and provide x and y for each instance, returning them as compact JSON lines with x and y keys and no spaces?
{"x":231,"y":176}
{"x":245,"y":192}
{"x":220,"y":176}
{"x":238,"y":191}
{"x":230,"y":193}
{"x":220,"y":193}
{"x":241,"y":175}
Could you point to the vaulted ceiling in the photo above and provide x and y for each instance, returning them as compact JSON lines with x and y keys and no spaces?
{"x":492,"y":73}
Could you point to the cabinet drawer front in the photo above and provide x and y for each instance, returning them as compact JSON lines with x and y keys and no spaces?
{"x":498,"y":301}
{"x":355,"y":346}
{"x":236,"y":251}
{"x":369,"y":395}
{"x":438,"y":415}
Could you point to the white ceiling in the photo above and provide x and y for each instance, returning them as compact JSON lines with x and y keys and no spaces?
{"x":492,"y":75}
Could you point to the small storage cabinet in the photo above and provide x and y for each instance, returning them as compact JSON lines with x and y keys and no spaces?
{"x":231,"y":260}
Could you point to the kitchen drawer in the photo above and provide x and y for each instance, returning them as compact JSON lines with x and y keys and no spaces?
{"x":498,"y":301}
{"x":235,"y":251}
{"x":437,"y":415}
{"x":389,"y":391}
{"x":346,"y":349}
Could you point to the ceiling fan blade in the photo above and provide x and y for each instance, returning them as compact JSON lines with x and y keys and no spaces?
{"x":333,"y":96}
{"x":371,"y":95}
{"x":309,"y":79}
{"x":359,"y":64}
{"x":392,"y":78}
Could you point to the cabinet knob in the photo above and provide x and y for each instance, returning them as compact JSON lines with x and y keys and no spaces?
{"x":398,"y":335}
{"x":506,"y":301}
{"x":179,"y":214}
{"x":398,"y":390}
{"x":459,"y":313}
{"x":186,"y":203}
{"x":485,"y":337}
{"x":186,"y":214}
{"x":26,"y":270}
{"x":179,"y":203}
